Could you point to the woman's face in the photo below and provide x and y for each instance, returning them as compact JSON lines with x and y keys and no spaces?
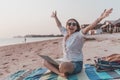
{"x":71,"y":26}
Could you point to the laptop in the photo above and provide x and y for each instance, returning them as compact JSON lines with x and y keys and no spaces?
{"x":50,"y":60}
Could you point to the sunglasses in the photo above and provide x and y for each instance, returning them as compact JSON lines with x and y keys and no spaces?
{"x":72,"y":24}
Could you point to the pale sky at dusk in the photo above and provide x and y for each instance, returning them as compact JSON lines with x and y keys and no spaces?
{"x":21,"y":17}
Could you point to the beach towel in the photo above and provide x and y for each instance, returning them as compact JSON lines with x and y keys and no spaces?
{"x":40,"y":74}
{"x":36,"y":74}
{"x":27,"y":74}
{"x":16,"y":75}
{"x":105,"y":75}
{"x":88,"y":73}
{"x":53,"y":76}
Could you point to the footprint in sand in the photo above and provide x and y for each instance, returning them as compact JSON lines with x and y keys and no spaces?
{"x":26,"y":56}
{"x":1,"y":74}
{"x":34,"y":60}
{"x":5,"y":67}
{"x":38,"y":50}
{"x":14,"y":59}
{"x":95,"y":57}
{"x":43,"y":44}
{"x":105,"y":50}
{"x":99,"y":40}
{"x":5,"y":63}
{"x":24,"y":66}
{"x":55,"y":42}
{"x":30,"y":49}
{"x":21,"y":53}
{"x":7,"y":71}
{"x":8,"y":54}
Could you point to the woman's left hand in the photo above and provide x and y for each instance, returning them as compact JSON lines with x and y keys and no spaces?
{"x":106,"y":13}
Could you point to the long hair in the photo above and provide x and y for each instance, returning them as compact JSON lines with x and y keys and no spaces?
{"x":78,"y":26}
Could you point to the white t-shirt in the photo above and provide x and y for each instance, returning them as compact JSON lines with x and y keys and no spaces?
{"x":72,"y":47}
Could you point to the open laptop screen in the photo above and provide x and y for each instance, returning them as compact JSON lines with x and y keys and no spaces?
{"x":50,"y":60}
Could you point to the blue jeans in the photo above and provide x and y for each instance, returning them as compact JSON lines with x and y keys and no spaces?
{"x":77,"y":66}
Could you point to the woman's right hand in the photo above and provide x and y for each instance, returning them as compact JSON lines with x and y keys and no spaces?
{"x":54,"y":14}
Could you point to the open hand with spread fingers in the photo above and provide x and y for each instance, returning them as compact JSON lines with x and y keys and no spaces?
{"x":54,"y":14}
{"x":106,"y":13}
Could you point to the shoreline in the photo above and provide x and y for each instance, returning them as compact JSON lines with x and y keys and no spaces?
{"x":14,"y":41}
{"x":24,"y":56}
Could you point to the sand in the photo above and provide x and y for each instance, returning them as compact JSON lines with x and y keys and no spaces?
{"x":25,"y":56}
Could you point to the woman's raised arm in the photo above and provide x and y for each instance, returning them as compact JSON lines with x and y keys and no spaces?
{"x":102,"y":16}
{"x":54,"y":15}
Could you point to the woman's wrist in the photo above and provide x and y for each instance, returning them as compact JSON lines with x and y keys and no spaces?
{"x":55,"y":17}
{"x":99,"y":19}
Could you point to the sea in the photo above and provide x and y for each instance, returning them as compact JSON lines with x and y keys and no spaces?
{"x":11,"y":41}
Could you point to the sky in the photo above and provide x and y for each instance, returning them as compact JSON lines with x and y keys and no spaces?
{"x":22,"y":17}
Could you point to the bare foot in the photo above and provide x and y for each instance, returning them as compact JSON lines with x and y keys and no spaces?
{"x":62,"y":75}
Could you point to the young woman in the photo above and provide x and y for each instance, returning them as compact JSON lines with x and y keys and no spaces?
{"x":73,"y":41}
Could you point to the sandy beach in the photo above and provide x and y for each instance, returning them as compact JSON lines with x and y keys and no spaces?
{"x":25,"y":56}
